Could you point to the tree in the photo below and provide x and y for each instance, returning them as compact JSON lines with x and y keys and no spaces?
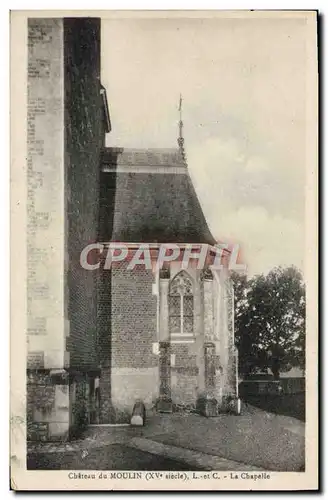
{"x":270,"y":321}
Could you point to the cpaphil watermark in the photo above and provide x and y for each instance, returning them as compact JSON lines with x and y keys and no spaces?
{"x":155,"y":257}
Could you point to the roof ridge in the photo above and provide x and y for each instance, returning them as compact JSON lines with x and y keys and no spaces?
{"x":123,"y":149}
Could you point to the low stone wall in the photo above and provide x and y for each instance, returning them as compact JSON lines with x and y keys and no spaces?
{"x":293,"y":385}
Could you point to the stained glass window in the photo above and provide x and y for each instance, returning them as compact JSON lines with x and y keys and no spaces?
{"x":188,"y":305}
{"x":175,"y":324}
{"x":181,"y":304}
{"x":188,"y":324}
{"x":175,"y":305}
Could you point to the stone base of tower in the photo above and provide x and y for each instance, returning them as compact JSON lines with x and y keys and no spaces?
{"x":48,"y":408}
{"x":60,"y":404}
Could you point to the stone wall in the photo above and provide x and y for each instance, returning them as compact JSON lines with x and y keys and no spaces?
{"x":184,"y":374}
{"x":46,"y":319}
{"x":48,"y":415}
{"x":57,"y":404}
{"x":226,"y":373}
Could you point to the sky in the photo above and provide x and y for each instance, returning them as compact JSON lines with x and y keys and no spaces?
{"x":243,"y":83}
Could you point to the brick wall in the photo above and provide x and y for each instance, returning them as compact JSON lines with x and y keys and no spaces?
{"x":84,"y":137}
{"x":134,"y":312}
{"x":127,"y":324}
{"x":79,"y":386}
{"x":104,"y":305}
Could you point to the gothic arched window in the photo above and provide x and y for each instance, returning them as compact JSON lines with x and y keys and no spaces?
{"x":181,"y":305}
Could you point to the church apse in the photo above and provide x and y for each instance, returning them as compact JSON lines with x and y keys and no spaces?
{"x":168,"y":337}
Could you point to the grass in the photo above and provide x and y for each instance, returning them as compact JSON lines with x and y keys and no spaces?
{"x":291,"y":405}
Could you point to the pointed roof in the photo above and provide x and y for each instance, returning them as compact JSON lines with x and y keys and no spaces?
{"x":146,"y":195}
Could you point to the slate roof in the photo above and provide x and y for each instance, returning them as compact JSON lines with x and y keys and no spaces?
{"x":146,"y":195}
{"x":139,"y":157}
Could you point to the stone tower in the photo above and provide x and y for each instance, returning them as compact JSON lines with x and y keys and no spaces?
{"x":67,"y":119}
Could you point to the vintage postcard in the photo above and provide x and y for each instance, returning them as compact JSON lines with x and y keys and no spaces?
{"x":164,"y":250}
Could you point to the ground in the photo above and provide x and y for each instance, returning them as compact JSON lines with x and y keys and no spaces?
{"x":110,"y":457}
{"x":292,"y":405}
{"x":256,"y":439}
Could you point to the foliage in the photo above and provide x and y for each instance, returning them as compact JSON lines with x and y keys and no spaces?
{"x":270,"y":321}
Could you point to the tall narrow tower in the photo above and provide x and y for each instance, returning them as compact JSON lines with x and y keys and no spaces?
{"x":66,"y":123}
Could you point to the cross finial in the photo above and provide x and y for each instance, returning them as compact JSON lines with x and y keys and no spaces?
{"x":181,"y":139}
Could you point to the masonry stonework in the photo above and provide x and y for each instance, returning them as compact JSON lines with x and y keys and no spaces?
{"x":66,"y":130}
{"x":84,"y":138}
{"x":45,"y":181}
{"x":48,"y":416}
{"x":127,"y":323}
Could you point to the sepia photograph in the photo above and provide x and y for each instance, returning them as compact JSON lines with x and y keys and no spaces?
{"x":164,"y":189}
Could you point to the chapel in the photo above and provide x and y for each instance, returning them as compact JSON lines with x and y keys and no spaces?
{"x":166,"y":335}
